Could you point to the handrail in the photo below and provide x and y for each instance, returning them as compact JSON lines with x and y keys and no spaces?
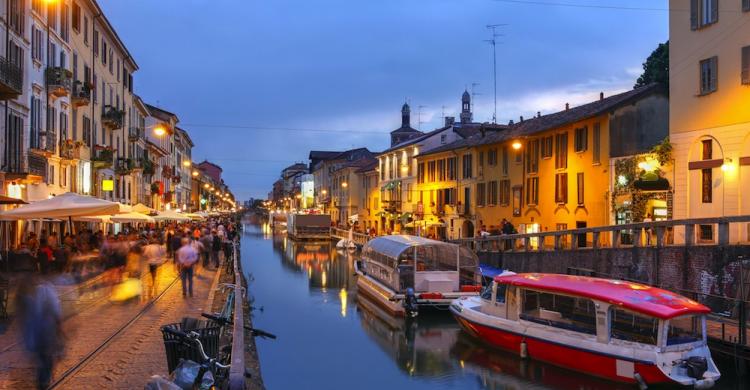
{"x":359,"y":238}
{"x":658,"y":227}
{"x":237,"y":371}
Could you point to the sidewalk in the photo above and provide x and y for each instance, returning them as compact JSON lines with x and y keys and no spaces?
{"x":97,"y":319}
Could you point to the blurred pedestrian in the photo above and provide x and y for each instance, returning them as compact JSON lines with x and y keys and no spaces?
{"x":40,"y":314}
{"x":215,"y":248}
{"x":186,"y":259}
{"x":154,"y":255}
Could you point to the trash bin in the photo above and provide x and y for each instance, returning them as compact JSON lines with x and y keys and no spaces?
{"x":176,"y":349}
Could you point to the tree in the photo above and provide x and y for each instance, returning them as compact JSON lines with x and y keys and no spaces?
{"x":656,"y":67}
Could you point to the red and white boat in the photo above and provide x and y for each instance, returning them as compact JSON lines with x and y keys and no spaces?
{"x":618,"y":330}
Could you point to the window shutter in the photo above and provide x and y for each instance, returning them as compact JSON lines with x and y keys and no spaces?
{"x":746,"y":5}
{"x":714,"y":64}
{"x":714,"y":11}
{"x":746,"y":62}
{"x":695,"y":6}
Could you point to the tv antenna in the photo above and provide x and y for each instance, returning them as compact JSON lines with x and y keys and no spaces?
{"x":419,"y":116}
{"x":493,"y":42}
{"x":474,"y":94}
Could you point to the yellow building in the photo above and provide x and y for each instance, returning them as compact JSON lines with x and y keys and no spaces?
{"x":369,"y":211}
{"x":546,"y":173}
{"x":709,"y":79}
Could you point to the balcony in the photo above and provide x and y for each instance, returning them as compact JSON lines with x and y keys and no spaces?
{"x":112,"y":118}
{"x":166,"y":172}
{"x":59,"y":81}
{"x":103,"y":157}
{"x":11,"y":80}
{"x":81,"y":93}
{"x":149,"y":168}
{"x":124,"y":166}
{"x":70,"y":150}
{"x":46,"y":143}
{"x":136,"y":133}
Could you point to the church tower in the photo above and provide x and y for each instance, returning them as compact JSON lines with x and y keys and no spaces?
{"x":466,"y":107}
{"x":405,"y":116}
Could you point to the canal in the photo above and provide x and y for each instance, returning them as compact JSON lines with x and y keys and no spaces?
{"x":331,"y":339}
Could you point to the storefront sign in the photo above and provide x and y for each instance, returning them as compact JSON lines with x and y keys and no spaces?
{"x":108,"y":185}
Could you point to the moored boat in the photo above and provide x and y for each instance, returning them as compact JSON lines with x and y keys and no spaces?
{"x":618,"y":330}
{"x":402,"y":273}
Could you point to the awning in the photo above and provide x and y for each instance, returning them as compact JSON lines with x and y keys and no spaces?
{"x":391,"y":185}
{"x":64,"y":206}
{"x":170,"y":215}
{"x":143,"y":209}
{"x":131,"y":217}
{"x":9,"y":200}
{"x":660,"y":184}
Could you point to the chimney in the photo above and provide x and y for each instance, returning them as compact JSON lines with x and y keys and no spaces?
{"x":601,"y":95}
{"x":449,"y":121}
{"x":538,"y":114}
{"x":482,"y":130}
{"x":521,"y":119}
{"x":567,"y":106}
{"x":510,"y":123}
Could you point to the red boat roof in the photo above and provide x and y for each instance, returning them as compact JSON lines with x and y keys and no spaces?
{"x":637,"y":297}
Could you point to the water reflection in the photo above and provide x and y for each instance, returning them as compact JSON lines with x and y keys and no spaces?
{"x":342,"y":329}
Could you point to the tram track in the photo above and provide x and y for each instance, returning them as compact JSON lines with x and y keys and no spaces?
{"x":102,"y":346}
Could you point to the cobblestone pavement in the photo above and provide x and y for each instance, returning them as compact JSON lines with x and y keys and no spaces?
{"x":131,"y":357}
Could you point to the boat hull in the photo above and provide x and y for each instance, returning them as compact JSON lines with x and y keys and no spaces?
{"x":566,"y":356}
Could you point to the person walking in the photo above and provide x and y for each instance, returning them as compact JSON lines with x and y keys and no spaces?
{"x":207,"y":241}
{"x":187,"y":257}
{"x":154,"y":255}
{"x":215,"y":248}
{"x":40,"y":314}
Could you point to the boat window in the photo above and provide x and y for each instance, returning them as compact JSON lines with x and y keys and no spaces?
{"x":436,"y":258}
{"x":683,"y":330}
{"x":500,"y":296}
{"x":559,"y":311}
{"x":629,"y":326}
{"x":487,"y":292}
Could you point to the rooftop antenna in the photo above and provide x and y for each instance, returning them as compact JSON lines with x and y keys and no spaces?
{"x":493,"y":42}
{"x":419,"y":116}
{"x":442,"y":111}
{"x":474,"y":94}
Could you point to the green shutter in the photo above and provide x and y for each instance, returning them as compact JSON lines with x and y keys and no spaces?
{"x":695,"y":11}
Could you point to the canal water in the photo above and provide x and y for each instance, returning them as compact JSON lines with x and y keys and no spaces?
{"x":329,"y":338}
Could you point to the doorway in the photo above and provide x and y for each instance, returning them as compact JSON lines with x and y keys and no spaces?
{"x":581,"y":236}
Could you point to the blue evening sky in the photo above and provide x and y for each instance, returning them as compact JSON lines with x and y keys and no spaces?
{"x":250,"y":79}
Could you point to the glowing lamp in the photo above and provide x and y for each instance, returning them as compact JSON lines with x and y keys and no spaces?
{"x":159,"y":131}
{"x":516,"y":145}
{"x":186,"y":163}
{"x":345,"y":184}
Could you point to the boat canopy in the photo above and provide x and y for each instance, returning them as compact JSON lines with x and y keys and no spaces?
{"x":393,"y":246}
{"x":636,"y":297}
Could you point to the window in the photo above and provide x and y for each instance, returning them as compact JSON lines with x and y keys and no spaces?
{"x":76,"y":16}
{"x":441,"y":169}
{"x":547,"y":147}
{"x":532,"y":156}
{"x":504,"y":192}
{"x":443,"y":138}
{"x":505,"y":160}
{"x":532,"y":191}
{"x":96,"y":43}
{"x":452,"y":162}
{"x":37,"y":6}
{"x":684,"y":330}
{"x":629,"y":326}
{"x":561,"y":188}
{"x":492,"y":193}
{"x":581,"y":139}
{"x":408,"y":192}
{"x":86,"y":130}
{"x":431,"y":171}
{"x":706,"y":185}
{"x":492,"y":157}
{"x":17,"y":16}
{"x":63,"y":125}
{"x":703,"y":13}
{"x":706,"y":149}
{"x":597,"y":152}
{"x":37,"y":44}
{"x":746,"y":63}
{"x":51,"y":176}
{"x":561,"y":151}
{"x":481,"y":192}
{"x":467,"y":169}
{"x":579,"y":183}
{"x":64,"y":176}
{"x":705,"y":233}
{"x":86,"y":30}
{"x":746,"y":5}
{"x":709,"y":75}
{"x":64,"y":27}
{"x":104,"y":51}
{"x":560,"y":311}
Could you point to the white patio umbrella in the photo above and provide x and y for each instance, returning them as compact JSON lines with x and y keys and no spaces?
{"x":143,"y":209}
{"x":94,"y":218}
{"x":170,"y":215}
{"x":68,"y":205}
{"x":132,"y":217}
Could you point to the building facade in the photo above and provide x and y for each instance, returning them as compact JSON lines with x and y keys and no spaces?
{"x":709,"y":80}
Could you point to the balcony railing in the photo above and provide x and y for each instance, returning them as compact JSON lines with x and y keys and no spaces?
{"x":59,"y":81}
{"x":81,"y":93}
{"x":11,"y":79}
{"x":70,"y":150}
{"x":136,"y":133}
{"x":112,"y":118}
{"x":103,"y":157}
{"x":46,"y":143}
{"x":124,"y":166}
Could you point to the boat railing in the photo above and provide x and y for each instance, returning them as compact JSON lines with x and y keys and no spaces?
{"x":682,"y":232}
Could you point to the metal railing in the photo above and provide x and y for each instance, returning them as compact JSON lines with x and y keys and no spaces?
{"x":237,"y":371}
{"x":81,"y":93}
{"x":11,"y":76}
{"x":135,"y":133}
{"x":358,"y":238}
{"x":687,"y":232}
{"x":59,"y":81}
{"x":112,"y":118}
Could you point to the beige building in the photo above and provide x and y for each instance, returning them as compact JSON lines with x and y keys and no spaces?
{"x":709,"y":116}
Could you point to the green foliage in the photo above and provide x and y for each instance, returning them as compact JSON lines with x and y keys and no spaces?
{"x":154,"y":188}
{"x":663,"y":152}
{"x":656,"y":67}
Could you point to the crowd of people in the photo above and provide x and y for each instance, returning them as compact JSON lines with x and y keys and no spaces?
{"x":127,"y":255}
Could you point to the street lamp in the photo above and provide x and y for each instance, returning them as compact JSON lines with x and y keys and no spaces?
{"x":516,"y":145}
{"x":186,"y":163}
{"x":159,"y":130}
{"x":345,"y":184}
{"x":195,"y":173}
